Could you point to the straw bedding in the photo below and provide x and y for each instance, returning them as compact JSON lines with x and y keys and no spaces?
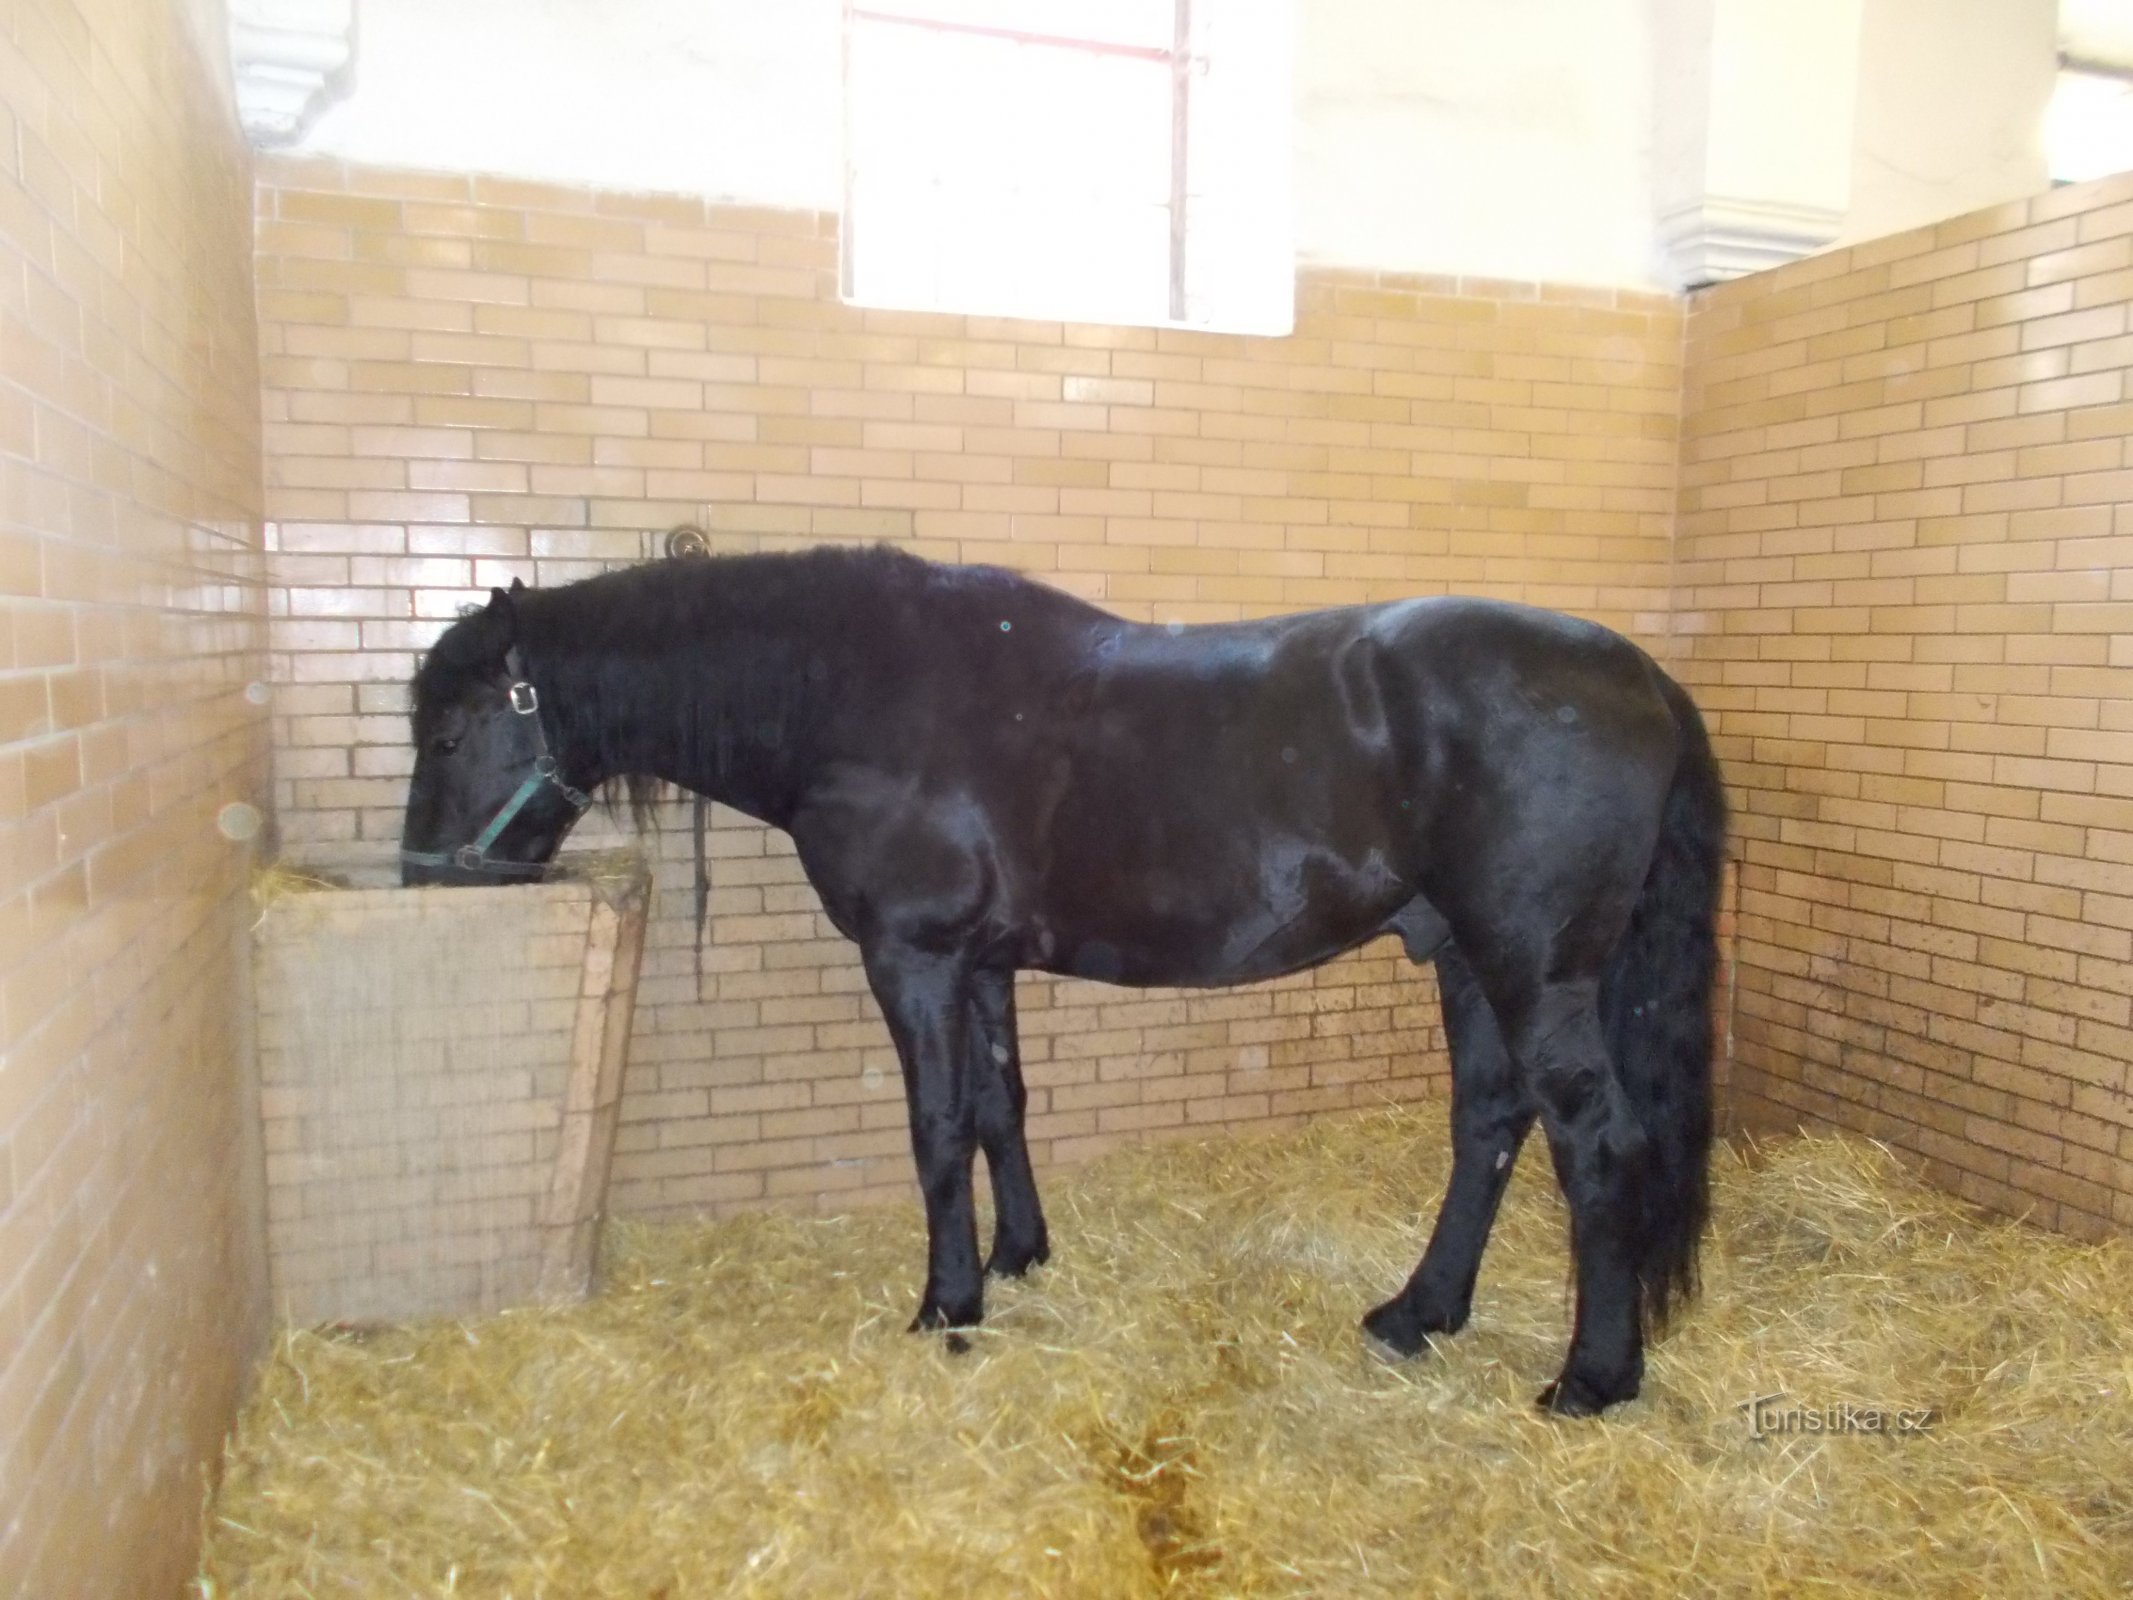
{"x":1181,"y":1405}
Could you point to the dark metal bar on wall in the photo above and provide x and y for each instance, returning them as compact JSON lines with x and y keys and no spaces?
{"x":2096,"y":68}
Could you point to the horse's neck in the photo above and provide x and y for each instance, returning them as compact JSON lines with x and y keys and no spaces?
{"x":720,"y":712}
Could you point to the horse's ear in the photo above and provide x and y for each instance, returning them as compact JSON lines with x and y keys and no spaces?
{"x":518,"y":585}
{"x":504,"y":614}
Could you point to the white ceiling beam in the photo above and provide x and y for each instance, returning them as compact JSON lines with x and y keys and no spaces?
{"x":1754,"y":107}
{"x":291,"y":59}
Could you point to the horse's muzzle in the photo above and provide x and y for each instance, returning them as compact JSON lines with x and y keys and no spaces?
{"x":467,"y":867}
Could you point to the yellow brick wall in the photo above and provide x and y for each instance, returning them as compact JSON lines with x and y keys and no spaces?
{"x":1905,"y":558}
{"x":132,"y":616}
{"x":468,"y":380}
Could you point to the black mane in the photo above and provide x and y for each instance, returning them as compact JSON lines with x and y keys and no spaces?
{"x":614,"y":652}
{"x":846,"y":584}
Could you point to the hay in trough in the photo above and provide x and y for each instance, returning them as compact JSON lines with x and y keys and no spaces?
{"x":603,"y":869}
{"x":1181,"y":1405}
{"x":279,"y":879}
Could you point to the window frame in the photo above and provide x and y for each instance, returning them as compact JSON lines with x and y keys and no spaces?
{"x":1181,"y":61}
{"x":2071,"y":65}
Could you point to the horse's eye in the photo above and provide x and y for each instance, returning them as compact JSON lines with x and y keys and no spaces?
{"x":445,"y":747}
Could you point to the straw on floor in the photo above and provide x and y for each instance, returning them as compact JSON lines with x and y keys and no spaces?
{"x":1181,"y":1405}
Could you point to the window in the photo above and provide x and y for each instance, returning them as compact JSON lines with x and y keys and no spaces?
{"x":1119,"y":161}
{"x":2088,"y":132}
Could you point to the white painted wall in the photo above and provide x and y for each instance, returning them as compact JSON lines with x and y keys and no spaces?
{"x":1952,"y":96}
{"x":736,"y":99}
{"x":2098,"y":32}
{"x":1781,"y":100}
{"x":1507,"y":139}
{"x":1752,"y":123}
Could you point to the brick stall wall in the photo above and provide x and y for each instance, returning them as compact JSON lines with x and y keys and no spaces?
{"x":1906,"y":564}
{"x":468,"y":380}
{"x":133,"y":617}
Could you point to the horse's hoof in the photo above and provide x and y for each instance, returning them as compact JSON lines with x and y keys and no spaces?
{"x":1007,"y":1262}
{"x":1393,"y":1332}
{"x":1572,"y":1396}
{"x":1384,"y":1352}
{"x":933,"y":1316}
{"x":1397,"y":1331}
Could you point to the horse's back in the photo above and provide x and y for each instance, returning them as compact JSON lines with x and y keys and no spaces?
{"x":1383,"y":698}
{"x":1212,"y":804}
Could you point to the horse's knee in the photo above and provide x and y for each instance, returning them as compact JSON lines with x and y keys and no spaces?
{"x":943,"y":1144}
{"x":1000,"y":1110}
{"x":999,"y":1124}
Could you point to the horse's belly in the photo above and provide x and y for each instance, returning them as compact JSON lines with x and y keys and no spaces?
{"x":1163,"y":927}
{"x":1130,"y":957}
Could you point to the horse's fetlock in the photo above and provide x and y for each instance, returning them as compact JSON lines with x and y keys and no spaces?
{"x":1012,"y":1258}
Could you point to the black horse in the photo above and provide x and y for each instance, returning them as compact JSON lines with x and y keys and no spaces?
{"x":984,"y":775}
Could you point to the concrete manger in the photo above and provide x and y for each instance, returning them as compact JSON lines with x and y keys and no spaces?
{"x":440,"y":1072}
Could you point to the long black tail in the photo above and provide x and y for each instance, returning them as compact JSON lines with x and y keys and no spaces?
{"x":1655,"y":1004}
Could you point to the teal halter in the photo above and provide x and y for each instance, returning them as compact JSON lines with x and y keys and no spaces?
{"x":475,"y":857}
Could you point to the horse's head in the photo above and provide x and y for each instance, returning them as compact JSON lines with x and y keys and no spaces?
{"x":486,"y":803}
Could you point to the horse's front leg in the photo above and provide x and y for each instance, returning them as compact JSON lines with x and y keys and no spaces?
{"x":928,"y":1002}
{"x":1019,"y":1240}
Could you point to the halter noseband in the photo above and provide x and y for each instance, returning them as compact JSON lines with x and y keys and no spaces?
{"x":475,"y":857}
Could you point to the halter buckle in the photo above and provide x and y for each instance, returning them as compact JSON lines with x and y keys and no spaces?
{"x":524,"y":700}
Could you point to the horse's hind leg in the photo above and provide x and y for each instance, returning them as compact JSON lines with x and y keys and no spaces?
{"x":1019,"y":1241}
{"x":927,"y":1001}
{"x":1601,"y":1157}
{"x":1490,"y":1116}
